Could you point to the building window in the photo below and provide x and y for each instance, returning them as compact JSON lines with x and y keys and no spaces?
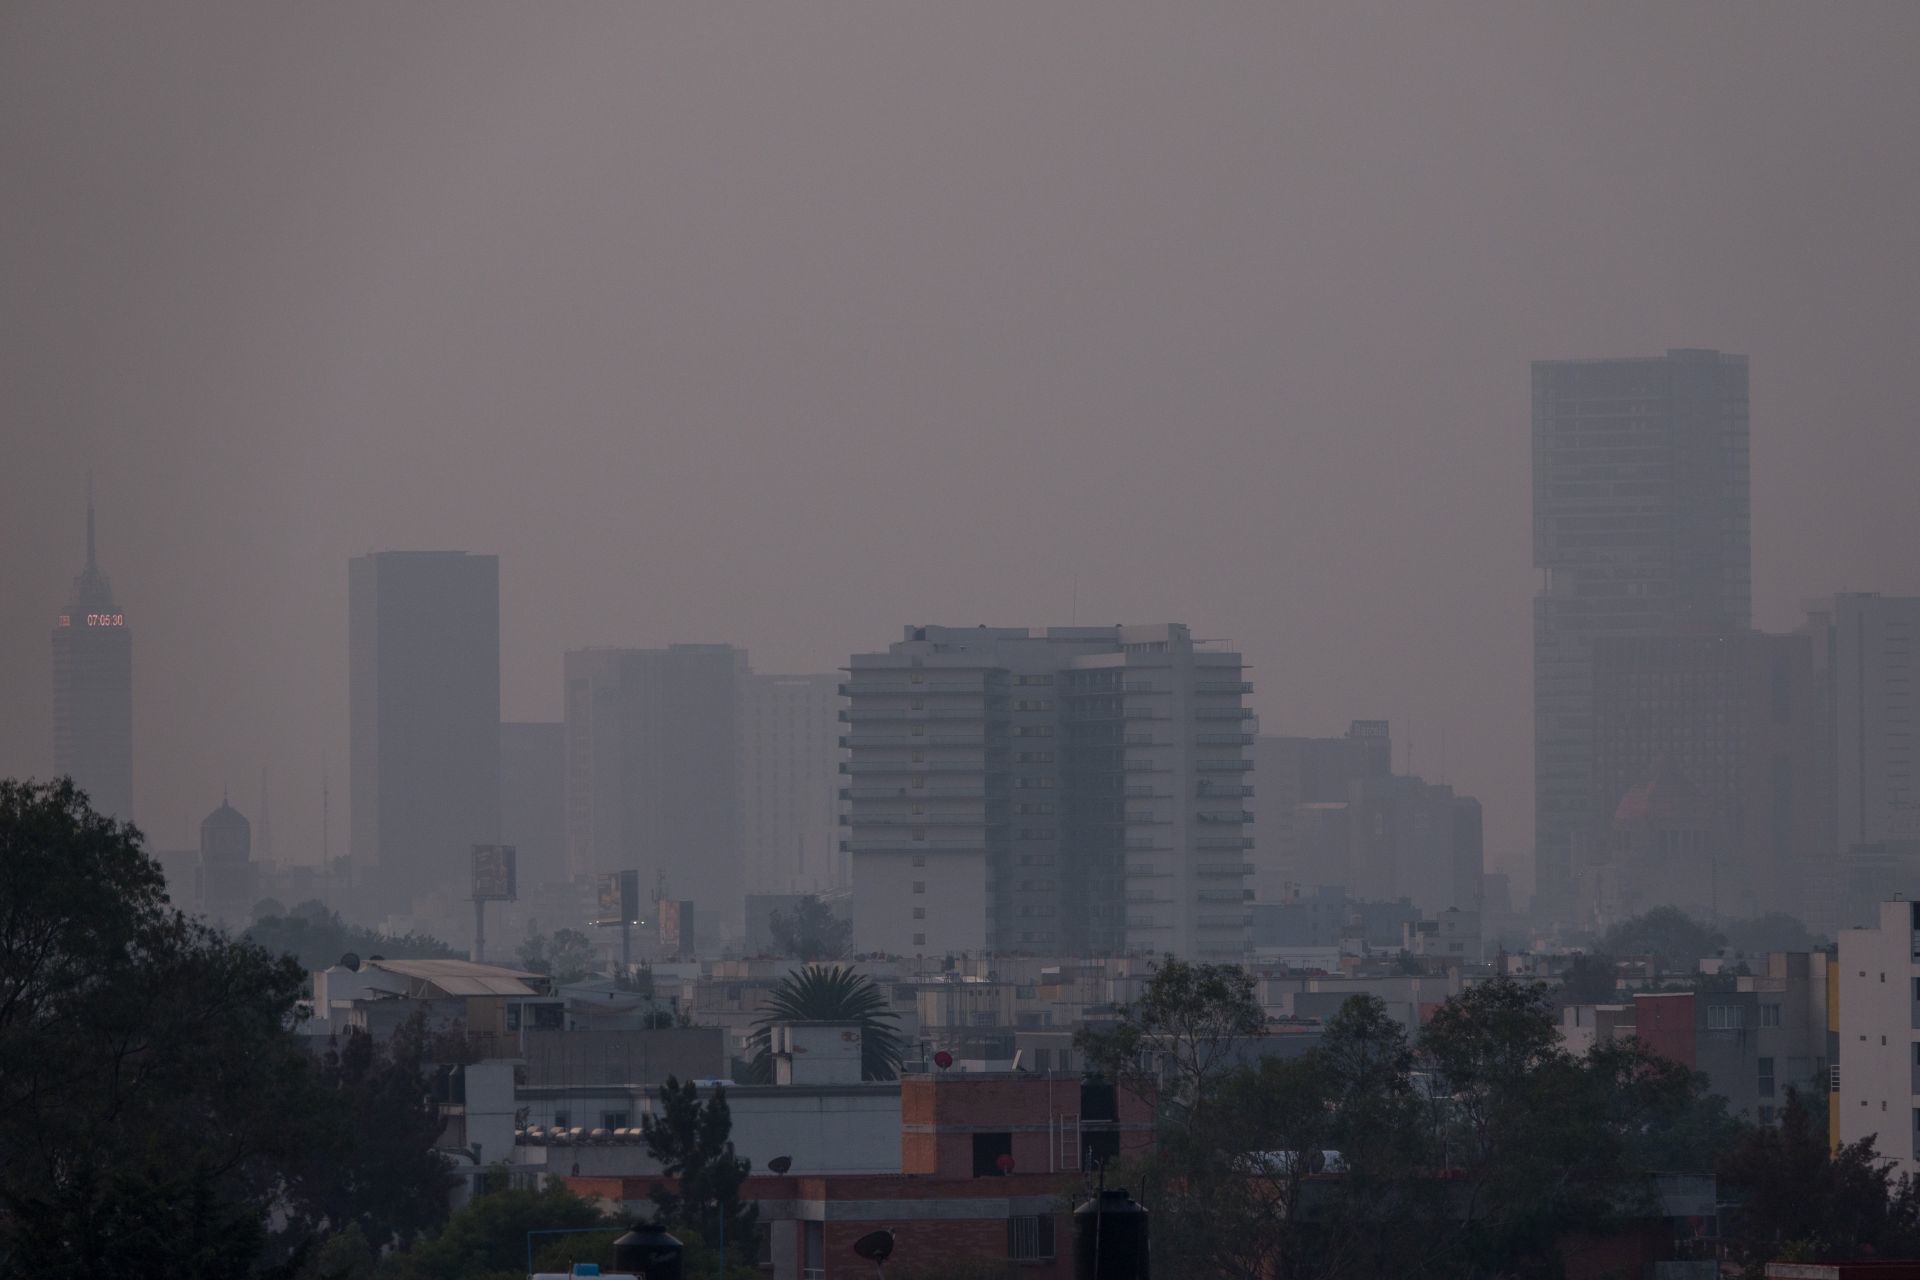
{"x":1766,"y":1077}
{"x":1726,"y":1017}
{"x":562,"y":1120}
{"x":919,"y":939}
{"x":1766,"y":1115}
{"x":1030,"y":1237}
{"x":988,"y":1150}
{"x":920,"y":886}
{"x":919,"y":860}
{"x":919,"y":913}
{"x":613,"y":1119}
{"x":1769,"y":1015}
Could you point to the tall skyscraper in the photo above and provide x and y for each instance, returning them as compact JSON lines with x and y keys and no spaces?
{"x":652,"y":743}
{"x":423,"y":659}
{"x":1641,"y":526}
{"x":789,"y":782}
{"x":1079,"y":790}
{"x":93,"y":690}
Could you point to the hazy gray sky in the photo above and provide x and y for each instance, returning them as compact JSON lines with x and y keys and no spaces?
{"x":786,"y":325}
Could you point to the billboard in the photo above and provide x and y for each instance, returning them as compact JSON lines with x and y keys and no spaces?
{"x":494,"y":878}
{"x":619,"y":898}
{"x":676,"y":925}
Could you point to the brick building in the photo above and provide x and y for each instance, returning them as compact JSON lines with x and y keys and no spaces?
{"x":989,"y":1165}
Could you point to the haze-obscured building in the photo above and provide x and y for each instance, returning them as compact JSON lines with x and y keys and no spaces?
{"x":1706,"y":774}
{"x":229,"y":880}
{"x":1641,"y":526}
{"x":790,"y":782}
{"x":653,"y":760}
{"x":93,"y":690}
{"x":533,"y":799}
{"x":423,"y":691}
{"x":1341,"y":816}
{"x":1078,"y":790}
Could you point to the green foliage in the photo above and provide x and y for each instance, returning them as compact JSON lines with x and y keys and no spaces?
{"x":1675,"y":940}
{"x":1590,"y":979}
{"x":567,"y":956}
{"x":1476,"y":1151}
{"x":830,"y":993}
{"x":1774,"y":931}
{"x":1797,"y":1200}
{"x":812,"y":932}
{"x":313,"y":934}
{"x":369,"y":1160}
{"x":1175,"y":1041}
{"x":488,"y":1238}
{"x":690,"y":1141}
{"x":156,"y":1110}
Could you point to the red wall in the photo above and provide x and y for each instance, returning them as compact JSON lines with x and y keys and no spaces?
{"x":1664,"y":1024}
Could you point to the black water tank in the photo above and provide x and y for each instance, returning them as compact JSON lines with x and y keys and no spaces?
{"x":1110,"y":1238}
{"x":649,"y":1252}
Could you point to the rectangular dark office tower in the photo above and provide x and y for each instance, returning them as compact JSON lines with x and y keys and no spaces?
{"x":1641,"y":526}
{"x":423,"y":658}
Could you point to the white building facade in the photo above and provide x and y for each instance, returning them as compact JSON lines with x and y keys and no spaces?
{"x":1879,"y":1040}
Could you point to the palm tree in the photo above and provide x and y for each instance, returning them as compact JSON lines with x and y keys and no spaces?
{"x":830,"y":993}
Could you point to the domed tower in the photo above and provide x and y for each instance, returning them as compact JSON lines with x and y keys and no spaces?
{"x":228,"y":879}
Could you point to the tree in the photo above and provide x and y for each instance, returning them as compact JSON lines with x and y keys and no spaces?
{"x":813,"y":932}
{"x":691,"y":1142}
{"x":369,"y":1159}
{"x":1774,"y":931}
{"x":1180,"y":1035}
{"x":830,"y":993}
{"x":1795,"y":1198}
{"x":1589,"y":979}
{"x":155,"y":1105}
{"x":314,"y":934}
{"x":267,"y":907}
{"x":487,"y":1239}
{"x":567,"y":956}
{"x":1675,"y":940}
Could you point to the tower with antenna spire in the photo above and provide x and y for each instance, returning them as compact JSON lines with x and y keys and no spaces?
{"x":93,"y":688}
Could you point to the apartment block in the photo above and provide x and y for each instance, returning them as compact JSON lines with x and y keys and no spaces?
{"x":1878,"y":1084}
{"x":1078,"y":790}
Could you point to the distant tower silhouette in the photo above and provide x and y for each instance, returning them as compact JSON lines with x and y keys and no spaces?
{"x":93,"y":689}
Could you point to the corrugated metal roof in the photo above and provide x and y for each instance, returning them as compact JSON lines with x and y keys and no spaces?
{"x":464,"y":977}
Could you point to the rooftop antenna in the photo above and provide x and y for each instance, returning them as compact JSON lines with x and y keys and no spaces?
{"x":90,"y":559}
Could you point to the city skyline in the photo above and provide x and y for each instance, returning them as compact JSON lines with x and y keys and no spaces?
{"x":756,"y":409}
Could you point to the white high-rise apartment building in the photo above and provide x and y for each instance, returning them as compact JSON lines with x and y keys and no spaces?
{"x":1078,"y":790}
{"x":1878,"y":1084}
{"x":789,"y":782}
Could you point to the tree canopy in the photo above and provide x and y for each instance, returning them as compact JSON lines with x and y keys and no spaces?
{"x":158,"y":1115}
{"x":315,"y":935}
{"x":567,"y":956}
{"x":1675,"y":940}
{"x":830,"y":993}
{"x":812,"y":931}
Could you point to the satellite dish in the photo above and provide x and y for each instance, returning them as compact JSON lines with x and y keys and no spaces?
{"x":350,"y":962}
{"x":875,"y":1246}
{"x":780,"y":1164}
{"x":943,"y":1059}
